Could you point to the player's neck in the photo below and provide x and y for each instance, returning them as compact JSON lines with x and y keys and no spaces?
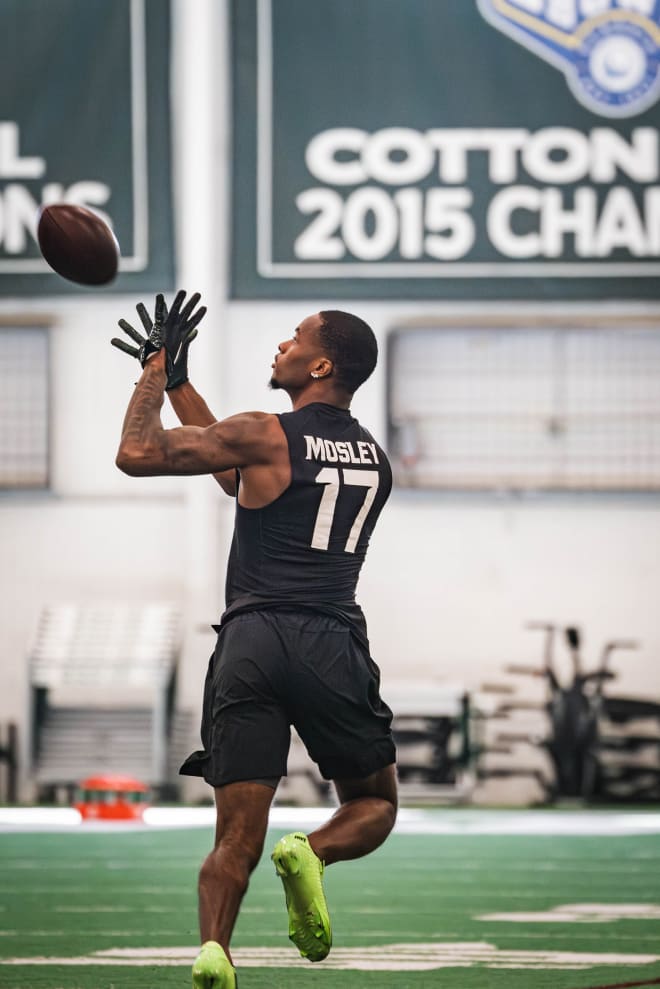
{"x":320,"y":392}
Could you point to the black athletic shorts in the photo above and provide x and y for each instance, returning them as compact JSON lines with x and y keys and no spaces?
{"x":274,"y":669}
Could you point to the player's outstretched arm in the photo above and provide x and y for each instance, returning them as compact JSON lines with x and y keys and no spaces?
{"x":188,"y":404}
{"x":147,"y":449}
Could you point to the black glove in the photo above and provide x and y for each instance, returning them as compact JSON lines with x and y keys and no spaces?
{"x":175,"y":330}
{"x":144,"y":348}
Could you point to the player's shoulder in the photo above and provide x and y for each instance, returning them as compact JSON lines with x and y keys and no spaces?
{"x":252,"y":439}
{"x":249,"y":427}
{"x":255,"y":416}
{"x":247,"y":419}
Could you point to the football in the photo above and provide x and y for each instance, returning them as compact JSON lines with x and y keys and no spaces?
{"x":77,"y":244}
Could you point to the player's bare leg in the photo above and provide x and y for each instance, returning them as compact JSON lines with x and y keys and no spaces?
{"x":362,"y":822}
{"x":242,"y":820}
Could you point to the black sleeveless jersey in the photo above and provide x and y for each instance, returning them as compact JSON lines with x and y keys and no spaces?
{"x":305,"y":550}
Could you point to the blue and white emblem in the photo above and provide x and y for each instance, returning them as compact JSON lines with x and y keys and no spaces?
{"x":609,"y":50}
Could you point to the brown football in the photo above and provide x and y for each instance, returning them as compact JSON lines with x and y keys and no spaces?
{"x":77,"y":244}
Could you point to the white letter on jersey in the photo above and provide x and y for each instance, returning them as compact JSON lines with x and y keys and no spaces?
{"x":314,"y":448}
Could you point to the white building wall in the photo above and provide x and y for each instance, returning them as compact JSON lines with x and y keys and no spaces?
{"x":450,"y":580}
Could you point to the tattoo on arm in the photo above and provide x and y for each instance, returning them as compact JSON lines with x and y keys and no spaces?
{"x":142,"y":430}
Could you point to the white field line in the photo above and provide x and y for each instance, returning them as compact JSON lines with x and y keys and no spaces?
{"x":391,"y":957}
{"x":410,"y":821}
{"x":581,"y":913}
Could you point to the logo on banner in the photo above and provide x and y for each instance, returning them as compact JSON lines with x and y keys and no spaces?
{"x":609,"y":50}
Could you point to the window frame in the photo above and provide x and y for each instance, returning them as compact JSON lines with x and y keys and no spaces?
{"x":19,"y":322}
{"x":531,"y":320}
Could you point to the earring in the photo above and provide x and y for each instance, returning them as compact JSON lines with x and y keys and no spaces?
{"x":314,"y":374}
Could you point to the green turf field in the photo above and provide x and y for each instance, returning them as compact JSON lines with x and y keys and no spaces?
{"x":131,"y":896}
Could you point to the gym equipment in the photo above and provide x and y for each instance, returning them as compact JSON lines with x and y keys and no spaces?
{"x":600,"y":747}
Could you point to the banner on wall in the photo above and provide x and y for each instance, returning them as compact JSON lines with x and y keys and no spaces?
{"x":84,"y":119}
{"x":419,"y":148}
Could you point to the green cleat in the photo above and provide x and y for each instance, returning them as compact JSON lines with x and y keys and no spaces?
{"x":300,"y":871}
{"x":212,"y":969}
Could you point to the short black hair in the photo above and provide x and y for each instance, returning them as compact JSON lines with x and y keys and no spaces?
{"x":351,"y":346}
